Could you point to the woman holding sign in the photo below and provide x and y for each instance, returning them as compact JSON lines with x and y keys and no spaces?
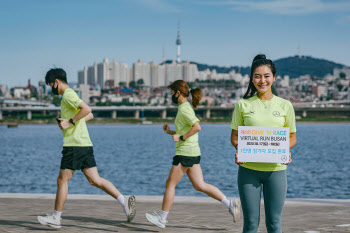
{"x":188,"y":155}
{"x":260,"y":107}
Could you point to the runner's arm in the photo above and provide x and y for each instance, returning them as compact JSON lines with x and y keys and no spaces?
{"x":195,"y":129}
{"x":171,"y":132}
{"x":167,"y":130}
{"x":84,"y":111}
{"x":89,"y":116}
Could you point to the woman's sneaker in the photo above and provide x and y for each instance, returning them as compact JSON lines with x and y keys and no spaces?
{"x":156,"y":220}
{"x":50,"y":221}
{"x":235,"y":209}
{"x":130,"y":209}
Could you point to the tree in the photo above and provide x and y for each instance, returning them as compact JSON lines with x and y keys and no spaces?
{"x":340,"y":87}
{"x":122,"y":84}
{"x":132,"y":84}
{"x":140,"y":81}
{"x":342,"y":75}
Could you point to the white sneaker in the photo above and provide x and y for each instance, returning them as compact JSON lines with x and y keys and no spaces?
{"x":235,"y":209}
{"x":156,"y":220}
{"x":129,"y":209}
{"x":50,"y":221}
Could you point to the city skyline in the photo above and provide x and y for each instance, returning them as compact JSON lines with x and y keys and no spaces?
{"x":71,"y":35}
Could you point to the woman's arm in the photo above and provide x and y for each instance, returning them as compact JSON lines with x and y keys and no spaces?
{"x":167,"y":130}
{"x":292,"y":140}
{"x":195,"y":129}
{"x":234,"y":138}
{"x":171,"y":132}
{"x":89,"y":116}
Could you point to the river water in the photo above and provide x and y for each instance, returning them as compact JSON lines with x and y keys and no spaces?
{"x":137,"y":160}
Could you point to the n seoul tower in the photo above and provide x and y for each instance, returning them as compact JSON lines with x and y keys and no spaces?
{"x":178,"y":43}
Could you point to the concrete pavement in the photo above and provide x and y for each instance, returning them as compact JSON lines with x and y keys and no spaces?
{"x":100,"y":213}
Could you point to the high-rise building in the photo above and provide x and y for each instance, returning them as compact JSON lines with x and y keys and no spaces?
{"x":154,"y":74}
{"x":103,"y":70}
{"x":161,"y":76}
{"x":91,"y":75}
{"x":81,"y":77}
{"x":107,"y":75}
{"x":142,"y":71}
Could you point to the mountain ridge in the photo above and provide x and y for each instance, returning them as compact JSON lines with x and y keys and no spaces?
{"x":293,"y":66}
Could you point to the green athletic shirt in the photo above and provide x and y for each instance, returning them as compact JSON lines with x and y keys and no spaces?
{"x":252,"y":112}
{"x":184,"y":121}
{"x":77,"y":135}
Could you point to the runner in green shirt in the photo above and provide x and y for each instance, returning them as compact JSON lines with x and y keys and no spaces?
{"x":77,"y":150}
{"x":260,"y":107}
{"x":188,"y":155}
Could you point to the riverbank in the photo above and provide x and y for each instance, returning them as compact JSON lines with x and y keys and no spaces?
{"x":168,"y":120}
{"x":100,"y":213}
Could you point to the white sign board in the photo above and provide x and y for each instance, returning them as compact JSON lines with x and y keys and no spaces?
{"x":263,"y":144}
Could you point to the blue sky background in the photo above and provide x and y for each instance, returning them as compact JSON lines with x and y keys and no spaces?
{"x":35,"y":35}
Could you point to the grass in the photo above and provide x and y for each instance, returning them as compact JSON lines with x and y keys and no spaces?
{"x":324,"y":119}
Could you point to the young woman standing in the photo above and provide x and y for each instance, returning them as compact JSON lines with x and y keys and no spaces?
{"x":259,"y":107}
{"x":188,"y":155}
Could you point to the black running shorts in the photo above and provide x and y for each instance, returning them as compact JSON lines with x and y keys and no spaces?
{"x":77,"y":158}
{"x":186,"y":161}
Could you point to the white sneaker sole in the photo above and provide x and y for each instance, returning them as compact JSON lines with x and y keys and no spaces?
{"x":158,"y":224}
{"x":132,"y":210}
{"x":49,"y":224}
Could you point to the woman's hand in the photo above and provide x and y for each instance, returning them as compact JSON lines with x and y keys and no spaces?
{"x":176,"y":138}
{"x":290,"y":159}
{"x":166,"y":128}
{"x":236,"y":158}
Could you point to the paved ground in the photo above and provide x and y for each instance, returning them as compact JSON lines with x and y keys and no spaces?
{"x":100,"y":213}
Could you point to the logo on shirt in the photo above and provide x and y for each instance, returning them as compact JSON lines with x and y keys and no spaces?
{"x":276,"y":113}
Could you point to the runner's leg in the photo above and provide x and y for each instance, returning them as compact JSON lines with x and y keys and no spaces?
{"x":175,"y":175}
{"x":196,"y":177}
{"x":94,"y":179}
{"x":62,"y":188}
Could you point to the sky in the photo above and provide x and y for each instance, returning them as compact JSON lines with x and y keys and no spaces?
{"x":41,"y":34}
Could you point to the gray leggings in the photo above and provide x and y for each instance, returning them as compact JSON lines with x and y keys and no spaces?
{"x":274,"y":186}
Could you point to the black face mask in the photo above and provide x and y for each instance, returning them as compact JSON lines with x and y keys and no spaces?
{"x":55,"y":89}
{"x":175,"y":99}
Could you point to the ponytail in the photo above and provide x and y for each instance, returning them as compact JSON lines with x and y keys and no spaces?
{"x":196,"y":97}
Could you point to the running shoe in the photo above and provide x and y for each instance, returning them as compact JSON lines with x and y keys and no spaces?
{"x":50,"y":221}
{"x":235,"y":209}
{"x":130,"y":209}
{"x":156,"y":220}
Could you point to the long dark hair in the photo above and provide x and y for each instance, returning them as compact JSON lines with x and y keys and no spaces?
{"x":259,"y":60}
{"x":180,"y":85}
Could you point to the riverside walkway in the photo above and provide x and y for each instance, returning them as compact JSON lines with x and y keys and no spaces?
{"x":100,"y":213}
